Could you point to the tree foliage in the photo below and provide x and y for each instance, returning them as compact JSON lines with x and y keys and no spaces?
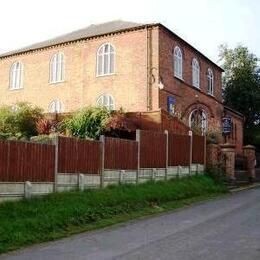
{"x":19,"y":120}
{"x":87,"y":123}
{"x":242,"y":82}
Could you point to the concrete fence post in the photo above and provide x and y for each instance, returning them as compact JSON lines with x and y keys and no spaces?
{"x":102,"y":161}
{"x":167,"y":153}
{"x":27,"y":190}
{"x":179,"y":171}
{"x":81,"y":182}
{"x":121,"y":176}
{"x":154,"y":174}
{"x":191,"y":147}
{"x":138,"y":138}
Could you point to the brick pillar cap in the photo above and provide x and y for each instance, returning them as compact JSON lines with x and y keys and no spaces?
{"x":227,"y":145}
{"x":249,"y":147}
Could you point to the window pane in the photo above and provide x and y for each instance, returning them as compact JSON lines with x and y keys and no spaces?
{"x":106,"y":64}
{"x":112,"y":64}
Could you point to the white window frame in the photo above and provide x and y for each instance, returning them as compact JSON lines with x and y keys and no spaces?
{"x":110,"y":105}
{"x":57,"y":105}
{"x":57,"y":68}
{"x":210,"y":82}
{"x":178,"y":63}
{"x":195,"y":73}
{"x":105,"y":59}
{"x":204,"y":127}
{"x":16,"y":76}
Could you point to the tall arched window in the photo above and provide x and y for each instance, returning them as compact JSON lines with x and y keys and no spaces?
{"x":195,"y":73}
{"x":16,"y":75}
{"x":198,"y":120}
{"x":210,"y":82}
{"x":105,"y":60}
{"x":177,"y":62}
{"x":57,"y":68}
{"x":106,"y":101}
{"x":56,"y":106}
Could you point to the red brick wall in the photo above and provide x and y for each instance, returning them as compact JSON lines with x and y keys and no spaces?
{"x":82,"y":87}
{"x":187,"y":96}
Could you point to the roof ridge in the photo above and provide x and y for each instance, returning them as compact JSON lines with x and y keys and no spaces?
{"x":91,"y":30}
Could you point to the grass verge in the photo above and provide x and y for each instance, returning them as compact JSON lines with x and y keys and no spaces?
{"x":59,"y":215}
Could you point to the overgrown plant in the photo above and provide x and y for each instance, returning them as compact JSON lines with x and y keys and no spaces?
{"x":19,"y":120}
{"x":89,"y":122}
{"x":213,"y":136}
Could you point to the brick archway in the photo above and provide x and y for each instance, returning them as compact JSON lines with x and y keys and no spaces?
{"x":200,"y":106}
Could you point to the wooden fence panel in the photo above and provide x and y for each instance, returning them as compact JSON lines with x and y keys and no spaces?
{"x":79,"y":156}
{"x":24,"y":161}
{"x":179,"y":150}
{"x":120,"y":154}
{"x":198,"y":149}
{"x":152,"y":149}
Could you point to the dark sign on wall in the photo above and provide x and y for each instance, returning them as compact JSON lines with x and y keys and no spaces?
{"x":227,"y":125}
{"x":171,"y":101}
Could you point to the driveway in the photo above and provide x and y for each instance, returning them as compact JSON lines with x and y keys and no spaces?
{"x":226,"y":228}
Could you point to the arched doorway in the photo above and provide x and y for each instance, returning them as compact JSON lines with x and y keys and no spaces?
{"x":198,"y":121}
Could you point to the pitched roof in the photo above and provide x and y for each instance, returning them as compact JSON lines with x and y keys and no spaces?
{"x":90,"y":31}
{"x":96,"y":30}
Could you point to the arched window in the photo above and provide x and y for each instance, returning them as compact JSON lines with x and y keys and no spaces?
{"x":106,"y":101}
{"x":56,"y":106}
{"x":16,"y":75}
{"x":195,"y":73}
{"x":177,"y":62}
{"x":57,"y":68}
{"x":105,"y":60}
{"x":210,"y":82}
{"x":198,"y":121}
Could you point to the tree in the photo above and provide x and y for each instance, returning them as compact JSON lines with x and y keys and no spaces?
{"x":241,"y":83}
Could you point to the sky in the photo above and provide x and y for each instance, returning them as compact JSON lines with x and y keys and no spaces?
{"x":205,"y":24}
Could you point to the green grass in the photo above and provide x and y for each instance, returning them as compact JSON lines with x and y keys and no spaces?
{"x":61,"y":214}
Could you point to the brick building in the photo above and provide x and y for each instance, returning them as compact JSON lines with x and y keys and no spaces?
{"x":137,"y":67}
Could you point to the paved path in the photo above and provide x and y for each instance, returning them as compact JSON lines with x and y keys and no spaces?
{"x":227,"y":228}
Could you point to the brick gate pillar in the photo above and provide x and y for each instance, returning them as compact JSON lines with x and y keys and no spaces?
{"x":249,"y":153}
{"x":212,"y":155}
{"x":228,"y":153}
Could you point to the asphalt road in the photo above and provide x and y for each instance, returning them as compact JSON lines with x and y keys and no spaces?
{"x":226,"y":228}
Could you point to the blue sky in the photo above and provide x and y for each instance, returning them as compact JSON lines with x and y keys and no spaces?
{"x":203,"y":23}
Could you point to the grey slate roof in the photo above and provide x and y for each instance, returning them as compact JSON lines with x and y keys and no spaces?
{"x":90,"y":31}
{"x":93,"y":31}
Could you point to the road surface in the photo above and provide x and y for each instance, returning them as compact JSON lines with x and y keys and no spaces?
{"x":226,"y":228}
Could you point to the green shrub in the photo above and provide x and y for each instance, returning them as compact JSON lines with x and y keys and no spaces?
{"x":5,"y":136}
{"x":21,"y":121}
{"x":45,"y":139}
{"x":88,"y":122}
{"x":213,"y":136}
